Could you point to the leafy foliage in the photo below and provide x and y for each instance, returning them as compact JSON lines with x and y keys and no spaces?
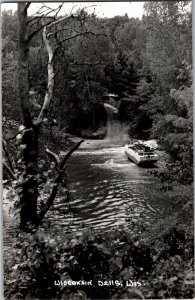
{"x":160,"y":263}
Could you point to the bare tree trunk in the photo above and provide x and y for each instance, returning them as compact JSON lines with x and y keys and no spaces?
{"x":29,"y":191}
{"x":50,"y":80}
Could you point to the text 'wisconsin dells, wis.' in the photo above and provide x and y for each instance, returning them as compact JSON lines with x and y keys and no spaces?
{"x":129,"y":283}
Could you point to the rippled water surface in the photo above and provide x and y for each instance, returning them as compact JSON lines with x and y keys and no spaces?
{"x":106,"y":189}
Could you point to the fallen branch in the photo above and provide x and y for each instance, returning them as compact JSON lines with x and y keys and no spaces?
{"x":53,"y":155}
{"x":57,"y":181}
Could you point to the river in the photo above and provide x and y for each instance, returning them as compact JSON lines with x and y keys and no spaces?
{"x":108,"y":190}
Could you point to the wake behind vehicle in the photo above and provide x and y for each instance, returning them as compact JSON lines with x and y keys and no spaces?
{"x":141,"y":154}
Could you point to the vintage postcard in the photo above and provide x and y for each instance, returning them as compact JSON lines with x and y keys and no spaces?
{"x":97,"y":142}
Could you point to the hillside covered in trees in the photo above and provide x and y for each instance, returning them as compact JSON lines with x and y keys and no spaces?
{"x":57,"y":72}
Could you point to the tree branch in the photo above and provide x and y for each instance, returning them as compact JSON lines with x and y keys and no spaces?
{"x":57,"y":181}
{"x":57,"y":10}
{"x":52,"y":9}
{"x":35,"y":18}
{"x":59,"y":21}
{"x":57,"y":31}
{"x":11,"y":173}
{"x":31,"y":35}
{"x":27,"y":6}
{"x":70,"y":153}
{"x":76,"y":35}
{"x":8,"y":155}
{"x":66,"y":39}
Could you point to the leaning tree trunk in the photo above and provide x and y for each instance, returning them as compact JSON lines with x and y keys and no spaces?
{"x":29,"y":143}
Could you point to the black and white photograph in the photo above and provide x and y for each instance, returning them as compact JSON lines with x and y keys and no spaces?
{"x":97,"y":150}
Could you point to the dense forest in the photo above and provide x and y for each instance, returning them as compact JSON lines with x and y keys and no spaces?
{"x":147,"y":65}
